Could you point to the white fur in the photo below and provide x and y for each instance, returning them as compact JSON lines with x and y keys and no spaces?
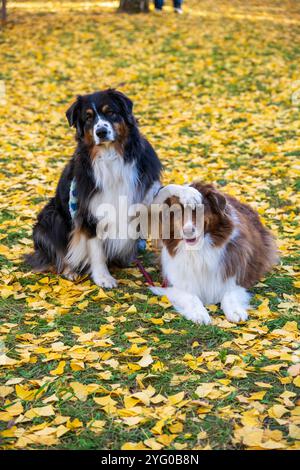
{"x":186,"y":194}
{"x":100,"y":273}
{"x":197,"y":274}
{"x":102,"y":123}
{"x":189,"y":305}
{"x":235,"y":303}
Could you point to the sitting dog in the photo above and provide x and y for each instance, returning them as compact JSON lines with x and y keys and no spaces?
{"x":112,"y":160}
{"x":215,"y":265}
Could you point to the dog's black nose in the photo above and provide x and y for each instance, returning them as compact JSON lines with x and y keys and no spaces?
{"x":102,"y":132}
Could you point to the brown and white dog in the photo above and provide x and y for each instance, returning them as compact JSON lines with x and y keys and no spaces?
{"x":218,"y":264}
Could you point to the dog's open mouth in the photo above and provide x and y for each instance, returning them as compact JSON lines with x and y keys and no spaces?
{"x":192,"y":241}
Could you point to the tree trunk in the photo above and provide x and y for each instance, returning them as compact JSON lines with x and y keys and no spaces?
{"x":134,"y":6}
{"x":3,"y":11}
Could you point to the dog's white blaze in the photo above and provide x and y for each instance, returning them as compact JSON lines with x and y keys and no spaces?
{"x":189,"y":229}
{"x":100,"y":122}
{"x":110,"y":130}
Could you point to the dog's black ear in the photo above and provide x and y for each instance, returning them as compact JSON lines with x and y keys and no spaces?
{"x":125,"y":103}
{"x":73,"y":116}
{"x":217,"y":201}
{"x":72,"y":112}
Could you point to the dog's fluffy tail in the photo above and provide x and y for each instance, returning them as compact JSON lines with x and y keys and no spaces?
{"x":39,"y":261}
{"x":50,"y":237}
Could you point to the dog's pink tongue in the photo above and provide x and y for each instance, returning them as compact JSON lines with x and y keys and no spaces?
{"x":190,"y":241}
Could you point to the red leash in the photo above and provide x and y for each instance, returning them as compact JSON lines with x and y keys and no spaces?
{"x":147,"y":276}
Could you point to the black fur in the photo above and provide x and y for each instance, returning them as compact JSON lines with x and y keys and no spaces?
{"x":51,"y":233}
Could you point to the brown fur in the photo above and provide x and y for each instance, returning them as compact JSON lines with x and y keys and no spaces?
{"x":175,"y":224}
{"x":122,"y":134}
{"x":88,"y":138}
{"x":76,"y":236}
{"x":252,"y":252}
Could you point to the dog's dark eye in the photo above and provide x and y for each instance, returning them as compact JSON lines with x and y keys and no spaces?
{"x":110,"y":113}
{"x":89,"y":114}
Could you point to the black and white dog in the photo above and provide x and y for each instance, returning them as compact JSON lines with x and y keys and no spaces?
{"x":112,"y":159}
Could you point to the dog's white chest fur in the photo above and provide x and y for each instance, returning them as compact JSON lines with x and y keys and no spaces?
{"x":195,"y":278}
{"x":114,"y":178}
{"x":117,"y":184}
{"x":196,"y":271}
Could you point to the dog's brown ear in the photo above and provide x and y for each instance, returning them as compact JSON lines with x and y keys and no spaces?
{"x":216,"y":201}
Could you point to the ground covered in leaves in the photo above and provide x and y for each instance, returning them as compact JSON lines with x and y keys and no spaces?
{"x":217,"y":93}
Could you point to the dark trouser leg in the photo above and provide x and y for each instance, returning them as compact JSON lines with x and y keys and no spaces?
{"x":177,"y":3}
{"x":158,"y":4}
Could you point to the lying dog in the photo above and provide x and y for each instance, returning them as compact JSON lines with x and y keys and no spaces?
{"x":231,"y":254}
{"x":112,"y":160}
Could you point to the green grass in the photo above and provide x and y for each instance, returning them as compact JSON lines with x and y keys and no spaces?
{"x":210,"y":93}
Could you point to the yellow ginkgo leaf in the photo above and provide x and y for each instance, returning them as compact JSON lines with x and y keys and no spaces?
{"x":59,"y":370}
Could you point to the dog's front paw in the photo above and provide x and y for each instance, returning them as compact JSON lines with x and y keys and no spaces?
{"x":200,"y":316}
{"x":104,"y":280}
{"x":190,"y":197}
{"x":235,"y":305}
{"x":236,"y":315}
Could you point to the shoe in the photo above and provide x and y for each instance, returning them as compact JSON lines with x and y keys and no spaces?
{"x":179,"y":11}
{"x":158,"y":10}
